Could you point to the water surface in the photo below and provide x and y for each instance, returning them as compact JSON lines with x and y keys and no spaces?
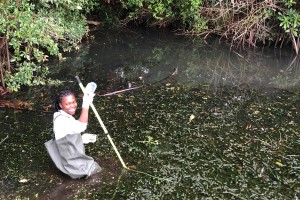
{"x":225,"y":126}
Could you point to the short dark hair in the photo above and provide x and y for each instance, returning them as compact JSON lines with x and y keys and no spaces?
{"x":61,"y":95}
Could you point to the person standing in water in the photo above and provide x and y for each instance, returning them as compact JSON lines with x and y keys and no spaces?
{"x":66,"y":148}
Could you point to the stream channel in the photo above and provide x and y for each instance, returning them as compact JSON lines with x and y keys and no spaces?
{"x":200,"y":121}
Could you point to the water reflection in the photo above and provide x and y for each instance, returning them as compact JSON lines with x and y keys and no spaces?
{"x":117,"y":57}
{"x":226,"y":150}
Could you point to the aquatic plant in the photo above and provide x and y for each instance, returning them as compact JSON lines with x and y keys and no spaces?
{"x":230,"y":142}
{"x":238,"y":139}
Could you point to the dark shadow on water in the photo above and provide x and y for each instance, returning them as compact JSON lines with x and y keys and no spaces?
{"x":66,"y":188}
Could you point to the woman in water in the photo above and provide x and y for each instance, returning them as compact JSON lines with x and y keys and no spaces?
{"x":66,"y":149}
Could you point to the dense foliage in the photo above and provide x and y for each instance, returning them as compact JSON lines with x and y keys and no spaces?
{"x":30,"y":34}
{"x":31,"y":31}
{"x":241,"y":22}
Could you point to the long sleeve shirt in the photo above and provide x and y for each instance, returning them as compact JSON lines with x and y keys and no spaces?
{"x":64,"y":124}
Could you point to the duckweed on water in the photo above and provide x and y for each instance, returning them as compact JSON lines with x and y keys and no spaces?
{"x":224,"y":144}
{"x":231,"y":147}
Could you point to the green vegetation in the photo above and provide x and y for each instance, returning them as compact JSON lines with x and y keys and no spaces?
{"x":30,"y":34}
{"x":183,"y":15}
{"x":241,"y":22}
{"x":31,"y":31}
{"x":233,"y":143}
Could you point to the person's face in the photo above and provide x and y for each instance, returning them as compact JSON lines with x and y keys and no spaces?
{"x":68,"y":104}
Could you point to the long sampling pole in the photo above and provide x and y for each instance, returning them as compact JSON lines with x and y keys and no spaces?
{"x":103,"y":126}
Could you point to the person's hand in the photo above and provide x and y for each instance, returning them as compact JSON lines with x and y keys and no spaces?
{"x":87,"y":99}
{"x":88,"y":94}
{"x":88,"y":138}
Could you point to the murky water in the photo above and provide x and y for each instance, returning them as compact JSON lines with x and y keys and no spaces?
{"x":117,"y":57}
{"x":225,"y":125}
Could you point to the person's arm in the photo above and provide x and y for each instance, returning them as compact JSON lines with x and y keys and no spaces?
{"x":84,"y":115}
{"x":87,"y":99}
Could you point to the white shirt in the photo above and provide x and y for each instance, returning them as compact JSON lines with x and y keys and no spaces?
{"x":64,"y":124}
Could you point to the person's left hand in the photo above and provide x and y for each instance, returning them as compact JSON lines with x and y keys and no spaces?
{"x":87,"y":99}
{"x":87,"y":138}
{"x":90,"y":88}
{"x":88,"y":94}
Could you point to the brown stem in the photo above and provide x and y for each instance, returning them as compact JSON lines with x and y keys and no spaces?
{"x":2,"y":61}
{"x":295,"y":44}
{"x":7,"y":54}
{"x":2,"y":77}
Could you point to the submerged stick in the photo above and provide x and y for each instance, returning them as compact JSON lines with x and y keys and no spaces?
{"x":3,"y":139}
{"x":118,"y":182}
{"x":121,"y":91}
{"x":175,"y":72}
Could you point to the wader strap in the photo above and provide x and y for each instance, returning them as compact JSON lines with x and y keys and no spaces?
{"x":59,"y":116}
{"x":53,"y":135}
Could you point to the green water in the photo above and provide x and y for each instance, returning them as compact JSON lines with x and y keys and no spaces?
{"x":210,"y":137}
{"x":240,"y":144}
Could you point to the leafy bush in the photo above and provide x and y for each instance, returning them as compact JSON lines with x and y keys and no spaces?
{"x":31,"y":35}
{"x":289,"y":19}
{"x":28,"y":74}
{"x":242,"y":22}
{"x":66,"y":4}
{"x":184,"y":14}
